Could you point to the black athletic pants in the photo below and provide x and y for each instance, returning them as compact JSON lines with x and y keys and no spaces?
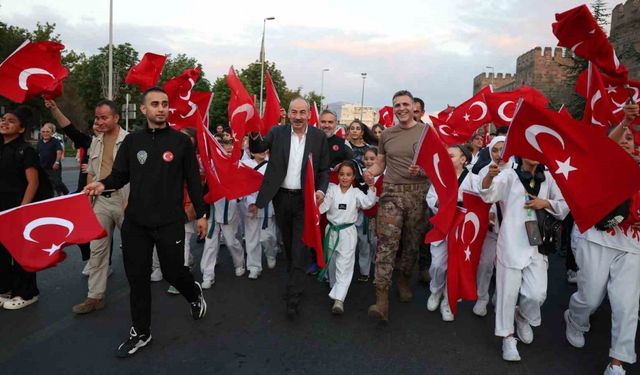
{"x":137,"y":249}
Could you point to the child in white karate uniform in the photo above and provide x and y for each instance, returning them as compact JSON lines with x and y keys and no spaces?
{"x":341,"y":204}
{"x":260,"y":228}
{"x":521,"y":271}
{"x":438,"y":270}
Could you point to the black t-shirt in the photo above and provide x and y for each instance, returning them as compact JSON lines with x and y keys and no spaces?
{"x":338,"y":151}
{"x":358,"y":153}
{"x":47,"y":152}
{"x":15,"y":158}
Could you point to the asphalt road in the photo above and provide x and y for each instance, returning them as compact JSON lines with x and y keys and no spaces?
{"x":246,"y":331}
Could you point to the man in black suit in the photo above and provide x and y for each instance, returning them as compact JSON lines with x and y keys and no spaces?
{"x":289,"y":147}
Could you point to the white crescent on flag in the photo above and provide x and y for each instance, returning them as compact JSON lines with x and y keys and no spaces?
{"x":248,"y":108}
{"x":533,"y":131}
{"x":440,"y":127}
{"x":482,"y":106}
{"x":473,"y":219}
{"x":25,"y":74}
{"x":436,"y":161}
{"x":46,"y":221}
{"x":501,"y":109}
{"x":597,"y":96}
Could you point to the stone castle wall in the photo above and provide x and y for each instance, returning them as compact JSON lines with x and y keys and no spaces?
{"x":625,"y":35}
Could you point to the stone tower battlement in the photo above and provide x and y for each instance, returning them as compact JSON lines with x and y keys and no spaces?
{"x":625,"y":34}
{"x":497,"y":80}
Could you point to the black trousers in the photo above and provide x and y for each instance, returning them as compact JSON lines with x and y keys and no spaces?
{"x":289,"y":212}
{"x":55,"y":176}
{"x":137,"y":249}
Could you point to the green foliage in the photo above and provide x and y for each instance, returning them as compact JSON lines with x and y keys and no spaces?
{"x":177,"y":65}
{"x":312,"y":97}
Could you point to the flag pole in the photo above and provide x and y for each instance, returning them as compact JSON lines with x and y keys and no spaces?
{"x":264,"y":28}
{"x":110,"y":69}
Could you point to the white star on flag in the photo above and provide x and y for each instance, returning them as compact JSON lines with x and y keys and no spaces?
{"x":466,"y":117}
{"x":467,"y":254}
{"x":611,"y":89}
{"x":52,"y":249}
{"x":564,"y":167}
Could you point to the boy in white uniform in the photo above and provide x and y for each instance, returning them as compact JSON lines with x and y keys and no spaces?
{"x":520,"y":269}
{"x":260,"y":228}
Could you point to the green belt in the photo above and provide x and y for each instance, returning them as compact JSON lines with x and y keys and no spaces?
{"x":329,"y":251}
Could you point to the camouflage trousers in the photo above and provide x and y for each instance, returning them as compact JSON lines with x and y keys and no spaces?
{"x":401,"y":217}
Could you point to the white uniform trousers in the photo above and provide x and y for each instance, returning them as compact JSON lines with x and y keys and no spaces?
{"x":110,"y":214}
{"x":486,"y":265}
{"x":341,"y":265}
{"x":604,"y":270}
{"x":366,"y":247}
{"x":530,"y":283}
{"x":257,"y":239}
{"x":438,"y":267}
{"x":212,"y":245}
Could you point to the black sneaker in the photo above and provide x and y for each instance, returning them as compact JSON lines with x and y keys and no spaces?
{"x":131,"y":346}
{"x":199,"y":307}
{"x":363,"y":278}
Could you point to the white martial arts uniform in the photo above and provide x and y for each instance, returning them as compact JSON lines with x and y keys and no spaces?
{"x":520,"y":268}
{"x":229,"y":230}
{"x":342,"y":208}
{"x":260,"y":230}
{"x":438,"y":267}
{"x":608,"y":263}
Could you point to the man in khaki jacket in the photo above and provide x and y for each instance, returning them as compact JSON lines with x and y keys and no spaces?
{"x":109,"y":208}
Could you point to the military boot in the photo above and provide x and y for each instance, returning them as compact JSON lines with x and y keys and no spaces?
{"x":403,"y":288}
{"x":380,"y":310}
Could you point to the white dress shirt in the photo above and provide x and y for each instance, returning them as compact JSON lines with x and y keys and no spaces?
{"x":296,"y":155}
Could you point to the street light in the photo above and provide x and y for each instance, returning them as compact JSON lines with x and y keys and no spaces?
{"x":364,"y":76}
{"x":493,"y":75}
{"x":322,"y":86}
{"x":264,"y":27}
{"x":110,"y":69}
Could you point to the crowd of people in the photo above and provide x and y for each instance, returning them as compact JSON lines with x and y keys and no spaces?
{"x":375,"y":202}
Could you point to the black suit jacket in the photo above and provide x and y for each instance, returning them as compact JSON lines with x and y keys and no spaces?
{"x":278,"y":142}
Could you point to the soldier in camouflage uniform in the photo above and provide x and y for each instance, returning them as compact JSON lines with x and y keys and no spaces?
{"x":401,"y":215}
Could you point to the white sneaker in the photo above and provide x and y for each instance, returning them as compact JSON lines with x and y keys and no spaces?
{"x":445,"y":311}
{"x":480,"y":308}
{"x":574,"y":336}
{"x":207,"y":284}
{"x":85,"y":270}
{"x":240,"y":271}
{"x":510,"y":349}
{"x":156,"y":275}
{"x":271,"y":262}
{"x":253,"y":274}
{"x":523,"y":329}
{"x":172,"y":290}
{"x":572,"y":277}
{"x":17,"y":303}
{"x":494,"y":298}
{"x":338,"y":308}
{"x":614,"y":370}
{"x":4,"y":297}
{"x":434,"y":301}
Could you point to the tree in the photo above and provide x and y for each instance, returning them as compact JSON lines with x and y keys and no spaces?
{"x":250,"y":76}
{"x":575,"y":104}
{"x":312,"y":97}
{"x":176,"y":65}
{"x":218,"y":111}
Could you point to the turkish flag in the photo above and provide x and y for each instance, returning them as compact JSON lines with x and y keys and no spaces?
{"x":225,"y":175}
{"x":502,"y":105}
{"x":31,"y":70}
{"x":385,"y":116}
{"x":179,"y":90}
{"x":470,"y":115}
{"x":434,"y":159}
{"x":594,"y":174}
{"x":36,"y":233}
{"x":240,"y":102}
{"x":340,"y":132}
{"x":314,"y":118}
{"x":271,"y":115}
{"x":448,"y":134}
{"x":199,"y":103}
{"x":578,"y":30}
{"x":617,"y":92}
{"x":147,"y":72}
{"x":311,"y":231}
{"x":598,"y":108}
{"x":464,"y":248}
{"x":373,"y":211}
{"x":565,"y":112}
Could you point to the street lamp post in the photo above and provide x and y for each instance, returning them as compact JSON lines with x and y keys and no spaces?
{"x":322,"y":86}
{"x":493,"y":71}
{"x":364,"y":76}
{"x":264,"y":27}
{"x":110,"y":68}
